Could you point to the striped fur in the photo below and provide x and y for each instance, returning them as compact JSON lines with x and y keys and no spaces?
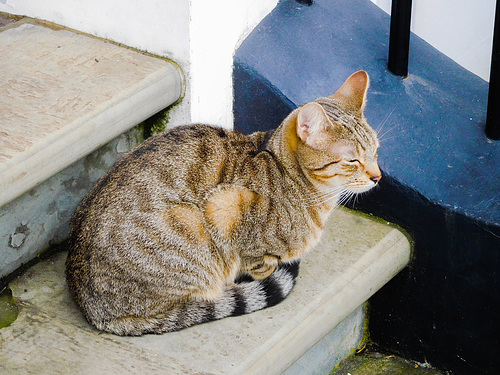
{"x":200,"y":223}
{"x":244,"y":297}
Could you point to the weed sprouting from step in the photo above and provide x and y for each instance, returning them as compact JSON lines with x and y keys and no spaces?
{"x":8,"y":308}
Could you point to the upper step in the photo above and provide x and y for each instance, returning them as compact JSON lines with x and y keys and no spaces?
{"x":64,"y":94}
{"x":431,"y":124}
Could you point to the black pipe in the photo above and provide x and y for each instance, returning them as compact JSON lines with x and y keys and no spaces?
{"x":399,"y":39}
{"x":493,"y":115}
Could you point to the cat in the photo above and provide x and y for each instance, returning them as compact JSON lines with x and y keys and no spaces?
{"x":200,"y":223}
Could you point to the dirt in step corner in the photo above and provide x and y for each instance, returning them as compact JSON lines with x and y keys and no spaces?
{"x":370,"y":361}
{"x":6,"y":18}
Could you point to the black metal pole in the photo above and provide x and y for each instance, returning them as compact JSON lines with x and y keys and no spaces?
{"x":399,"y":39}
{"x":493,"y":115}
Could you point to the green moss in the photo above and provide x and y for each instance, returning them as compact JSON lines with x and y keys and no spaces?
{"x":8,"y":308}
{"x":376,"y":363}
{"x":385,"y":222}
{"x":366,"y":340}
{"x":156,"y":124}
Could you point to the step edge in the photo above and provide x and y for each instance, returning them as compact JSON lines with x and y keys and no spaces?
{"x":164,"y":86}
{"x":275,"y":357}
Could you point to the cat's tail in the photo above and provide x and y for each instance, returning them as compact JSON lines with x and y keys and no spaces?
{"x":244,"y":297}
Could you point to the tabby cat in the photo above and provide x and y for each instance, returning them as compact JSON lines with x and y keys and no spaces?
{"x":200,"y":223}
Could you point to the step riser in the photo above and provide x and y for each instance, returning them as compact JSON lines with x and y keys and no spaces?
{"x":40,"y":217}
{"x":333,"y":348}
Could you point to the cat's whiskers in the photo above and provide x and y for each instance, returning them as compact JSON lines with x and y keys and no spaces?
{"x":329,"y":191}
{"x":342,"y":194}
{"x":388,"y":138}
{"x":384,"y":121}
{"x":382,"y":138}
{"x":321,"y":200}
{"x":346,"y":197}
{"x":322,"y":197}
{"x":354,"y":196}
{"x":318,"y":194}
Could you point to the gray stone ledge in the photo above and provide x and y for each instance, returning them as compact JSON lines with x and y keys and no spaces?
{"x":356,"y":256}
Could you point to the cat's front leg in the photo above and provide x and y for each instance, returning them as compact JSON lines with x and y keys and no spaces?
{"x":241,"y":218}
{"x":260,"y":267}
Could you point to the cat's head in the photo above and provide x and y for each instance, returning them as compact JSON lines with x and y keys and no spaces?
{"x":336,"y":146}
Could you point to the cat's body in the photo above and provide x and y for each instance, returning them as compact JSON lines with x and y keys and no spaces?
{"x":170,"y":235}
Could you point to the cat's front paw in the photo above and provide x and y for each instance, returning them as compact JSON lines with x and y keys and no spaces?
{"x":261,"y":267}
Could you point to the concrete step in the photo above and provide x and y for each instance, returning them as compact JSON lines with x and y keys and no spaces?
{"x":309,"y":333}
{"x":67,"y":102}
{"x":63,"y":95}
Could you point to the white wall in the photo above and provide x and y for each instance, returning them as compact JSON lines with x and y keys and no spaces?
{"x":159,"y":27}
{"x":217,"y":30}
{"x":461,"y":29}
{"x":200,"y":35}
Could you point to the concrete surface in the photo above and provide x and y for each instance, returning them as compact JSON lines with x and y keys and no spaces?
{"x":357,"y":255}
{"x":338,"y":344}
{"x":39,"y":218}
{"x":65,"y":94}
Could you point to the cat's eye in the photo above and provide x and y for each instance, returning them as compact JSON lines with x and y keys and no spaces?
{"x":325,"y":166}
{"x":353,"y":161}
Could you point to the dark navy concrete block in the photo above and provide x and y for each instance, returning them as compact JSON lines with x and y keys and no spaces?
{"x":269,"y":105}
{"x":307,"y":52}
{"x":441,"y":174}
{"x":444,"y":308}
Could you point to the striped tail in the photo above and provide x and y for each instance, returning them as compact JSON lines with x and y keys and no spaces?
{"x":244,"y":297}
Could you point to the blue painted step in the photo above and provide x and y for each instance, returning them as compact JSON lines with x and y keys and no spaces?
{"x":442,"y":175}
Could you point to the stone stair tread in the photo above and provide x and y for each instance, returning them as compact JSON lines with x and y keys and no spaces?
{"x":356,"y":256}
{"x":64,"y":94}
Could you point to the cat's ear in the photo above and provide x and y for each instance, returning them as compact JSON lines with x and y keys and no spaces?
{"x":312,"y":123}
{"x":353,"y":92}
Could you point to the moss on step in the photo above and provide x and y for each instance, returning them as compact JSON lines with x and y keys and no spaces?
{"x":156,"y":123}
{"x":8,"y":308}
{"x":385,"y":222}
{"x":366,"y":340}
{"x":371,"y":362}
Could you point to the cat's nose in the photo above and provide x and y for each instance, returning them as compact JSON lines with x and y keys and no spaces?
{"x":376,"y":178}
